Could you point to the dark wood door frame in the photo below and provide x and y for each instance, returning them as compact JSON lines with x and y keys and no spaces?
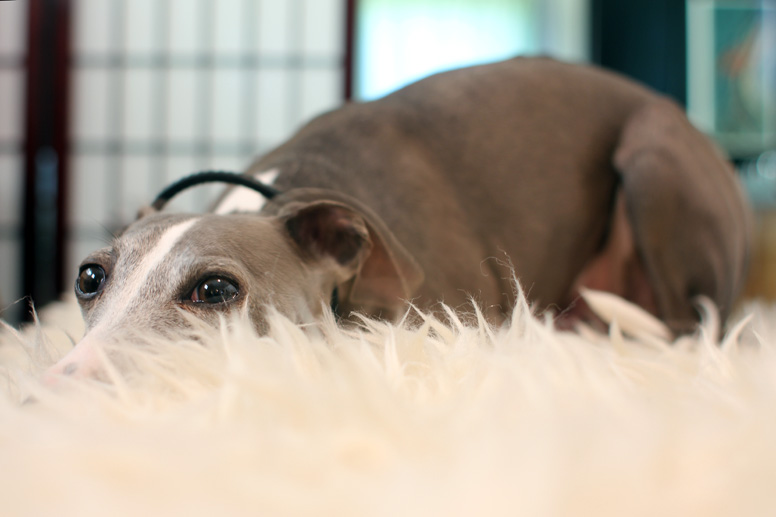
{"x":45,"y":148}
{"x":351,"y":9}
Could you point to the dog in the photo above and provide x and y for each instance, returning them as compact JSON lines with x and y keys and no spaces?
{"x":568,"y":175}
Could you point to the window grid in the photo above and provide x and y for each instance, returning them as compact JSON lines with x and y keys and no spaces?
{"x":240,"y":94}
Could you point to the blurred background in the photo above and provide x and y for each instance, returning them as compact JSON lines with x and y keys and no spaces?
{"x":103,"y":102}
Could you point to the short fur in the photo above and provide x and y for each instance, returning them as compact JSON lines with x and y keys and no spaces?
{"x":571,"y":175}
{"x":517,"y":164}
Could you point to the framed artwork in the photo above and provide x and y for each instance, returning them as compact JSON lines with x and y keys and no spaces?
{"x":731,"y":47}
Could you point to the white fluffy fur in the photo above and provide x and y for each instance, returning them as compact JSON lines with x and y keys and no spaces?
{"x":388,"y":420}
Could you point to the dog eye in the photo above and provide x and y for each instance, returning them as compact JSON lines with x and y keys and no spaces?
{"x":90,"y":280}
{"x":214,"y":290}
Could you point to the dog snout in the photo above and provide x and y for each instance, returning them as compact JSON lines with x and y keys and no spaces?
{"x":83,"y":361}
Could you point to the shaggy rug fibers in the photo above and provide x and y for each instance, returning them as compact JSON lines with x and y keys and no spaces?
{"x":435,"y":419}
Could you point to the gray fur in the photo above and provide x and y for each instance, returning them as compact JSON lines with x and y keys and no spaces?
{"x":434,"y":192}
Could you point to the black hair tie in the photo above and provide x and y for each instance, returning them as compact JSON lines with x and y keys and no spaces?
{"x":199,"y":178}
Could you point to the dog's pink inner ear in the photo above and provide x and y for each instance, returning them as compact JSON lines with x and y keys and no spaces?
{"x":329,"y":231}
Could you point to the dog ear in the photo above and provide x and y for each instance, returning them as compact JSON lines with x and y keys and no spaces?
{"x":359,"y":247}
{"x":330,"y":231}
{"x":691,"y":223}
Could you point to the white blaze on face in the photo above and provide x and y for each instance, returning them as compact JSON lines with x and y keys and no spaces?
{"x":136,"y":283}
{"x":242,"y":199}
{"x":84,"y":359}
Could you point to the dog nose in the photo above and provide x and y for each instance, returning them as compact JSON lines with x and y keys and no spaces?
{"x":66,"y":369}
{"x":55,"y":374}
{"x":81,"y":362}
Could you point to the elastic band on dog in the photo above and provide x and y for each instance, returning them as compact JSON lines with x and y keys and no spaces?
{"x":199,"y":178}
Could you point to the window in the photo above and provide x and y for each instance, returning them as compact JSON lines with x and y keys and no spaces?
{"x":400,"y":41}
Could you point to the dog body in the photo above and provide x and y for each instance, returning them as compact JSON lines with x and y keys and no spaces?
{"x":520,"y":163}
{"x":569,"y":174}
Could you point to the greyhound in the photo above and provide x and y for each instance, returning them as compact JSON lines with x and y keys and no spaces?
{"x":569,"y":175}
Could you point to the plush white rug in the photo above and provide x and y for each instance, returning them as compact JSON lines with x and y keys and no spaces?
{"x":388,"y":420}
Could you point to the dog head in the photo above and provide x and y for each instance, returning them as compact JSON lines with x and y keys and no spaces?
{"x":166,"y":267}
